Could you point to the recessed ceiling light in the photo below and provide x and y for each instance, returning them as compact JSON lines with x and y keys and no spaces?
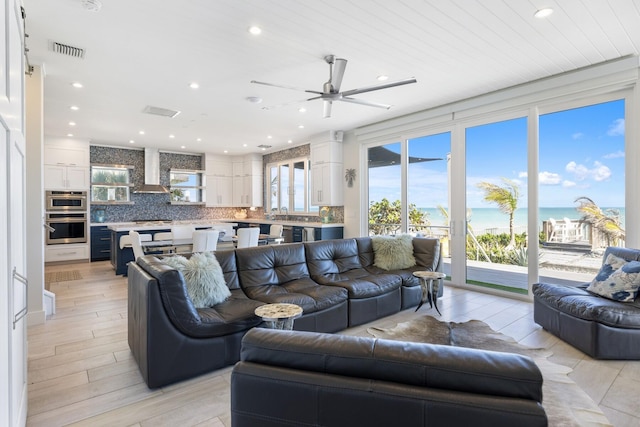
{"x":302,"y":110}
{"x":289,"y":141}
{"x":254,"y":99}
{"x":172,"y":136}
{"x":300,"y":126}
{"x":225,"y":151}
{"x":269,"y":137}
{"x":76,"y":85}
{"x":69,"y":134}
{"x":263,"y":148}
{"x":255,"y":30}
{"x":183,"y":146}
{"x":199,"y":139}
{"x":543,"y":13}
{"x":383,"y":78}
{"x":72,"y":123}
{"x":141,"y":132}
{"x":74,"y":108}
{"x":131,"y":141}
{"x":244,"y":145}
{"x":194,"y":85}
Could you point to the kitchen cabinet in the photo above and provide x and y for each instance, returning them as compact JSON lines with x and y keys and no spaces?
{"x":66,"y":165}
{"x":57,"y":177}
{"x":326,"y":184}
{"x":219,"y":191}
{"x":326,"y":174}
{"x":64,"y":155}
{"x":233,"y":181}
{"x":326,"y":152}
{"x":100,"y":243}
{"x":247,"y":180}
{"x":68,"y":252}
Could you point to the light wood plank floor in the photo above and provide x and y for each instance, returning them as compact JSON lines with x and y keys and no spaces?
{"x":81,"y":371}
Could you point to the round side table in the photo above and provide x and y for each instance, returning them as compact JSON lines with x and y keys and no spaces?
{"x":279,"y":316}
{"x":429,"y":289}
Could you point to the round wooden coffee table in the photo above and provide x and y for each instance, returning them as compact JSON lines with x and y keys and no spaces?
{"x":429,"y":289}
{"x":279,"y":316}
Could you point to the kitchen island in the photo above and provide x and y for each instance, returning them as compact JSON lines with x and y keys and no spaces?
{"x":294,"y":231}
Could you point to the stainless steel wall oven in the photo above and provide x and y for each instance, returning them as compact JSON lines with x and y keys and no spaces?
{"x":65,"y":201}
{"x":68,"y":227}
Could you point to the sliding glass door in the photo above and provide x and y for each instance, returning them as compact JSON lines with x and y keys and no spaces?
{"x":581,"y":188}
{"x":496,"y":201}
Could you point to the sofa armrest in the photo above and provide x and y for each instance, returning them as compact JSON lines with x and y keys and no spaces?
{"x":417,"y":364}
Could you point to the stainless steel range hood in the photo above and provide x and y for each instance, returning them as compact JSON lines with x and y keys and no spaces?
{"x":151,"y":173}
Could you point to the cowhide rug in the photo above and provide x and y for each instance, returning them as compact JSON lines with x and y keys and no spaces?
{"x":565,"y":403}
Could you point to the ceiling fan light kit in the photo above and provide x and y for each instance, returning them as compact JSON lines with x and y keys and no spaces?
{"x":331,"y":88}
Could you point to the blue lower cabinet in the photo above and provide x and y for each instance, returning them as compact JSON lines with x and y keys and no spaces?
{"x":100,"y":243}
{"x":297,"y":234}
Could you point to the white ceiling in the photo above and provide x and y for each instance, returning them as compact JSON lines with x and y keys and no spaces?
{"x":146,"y":52}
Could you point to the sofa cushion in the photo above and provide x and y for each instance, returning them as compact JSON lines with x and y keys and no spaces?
{"x":393,"y":252}
{"x":278,"y":274}
{"x":337,"y":263}
{"x":618,"y":279}
{"x":203,"y":276}
{"x":577,"y":302}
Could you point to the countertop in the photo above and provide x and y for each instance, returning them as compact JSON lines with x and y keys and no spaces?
{"x":127,"y":226}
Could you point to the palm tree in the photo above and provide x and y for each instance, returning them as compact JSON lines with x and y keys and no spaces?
{"x":507,"y":200}
{"x":607,"y":223}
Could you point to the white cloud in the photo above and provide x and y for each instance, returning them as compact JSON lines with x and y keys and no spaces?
{"x":522,"y":175}
{"x":568,"y":184}
{"x":599,"y":172}
{"x":577,"y":135}
{"x":616,"y":128}
{"x":549,"y":178}
{"x":615,"y":155}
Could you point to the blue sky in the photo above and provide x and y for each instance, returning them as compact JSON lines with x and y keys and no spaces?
{"x":581,"y":154}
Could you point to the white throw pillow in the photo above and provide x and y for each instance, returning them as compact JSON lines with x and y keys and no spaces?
{"x":204,"y":278}
{"x":618,"y":279}
{"x":393,"y":252}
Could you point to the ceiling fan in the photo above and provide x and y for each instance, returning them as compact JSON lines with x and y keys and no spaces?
{"x":331,"y":88}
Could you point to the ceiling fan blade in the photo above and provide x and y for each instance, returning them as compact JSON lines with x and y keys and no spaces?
{"x":338,"y":72}
{"x":378,"y":87}
{"x":273,"y":107}
{"x":367,"y":103}
{"x":286,"y":87}
{"x":326,"y":110}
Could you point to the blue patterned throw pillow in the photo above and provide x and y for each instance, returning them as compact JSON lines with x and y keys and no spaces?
{"x":618,"y":279}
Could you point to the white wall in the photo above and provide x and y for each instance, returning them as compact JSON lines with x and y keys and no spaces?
{"x":35,"y":201}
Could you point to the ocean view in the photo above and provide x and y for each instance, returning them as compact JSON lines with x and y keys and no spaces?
{"x":490,"y":218}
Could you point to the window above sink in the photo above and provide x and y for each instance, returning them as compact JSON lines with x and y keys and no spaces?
{"x":111,"y":184}
{"x":186,"y":187}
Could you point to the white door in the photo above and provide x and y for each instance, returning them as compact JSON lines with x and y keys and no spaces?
{"x":13,"y":292}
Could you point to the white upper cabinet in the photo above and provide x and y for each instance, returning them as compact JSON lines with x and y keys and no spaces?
{"x":326,"y":174}
{"x":234,"y":181}
{"x":66,"y":164}
{"x":326,"y":152}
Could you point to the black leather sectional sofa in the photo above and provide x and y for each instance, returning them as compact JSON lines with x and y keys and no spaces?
{"x":334,"y":281}
{"x":598,"y":326}
{"x":292,"y":378}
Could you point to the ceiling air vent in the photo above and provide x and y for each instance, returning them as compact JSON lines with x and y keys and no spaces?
{"x":65,"y":49}
{"x":157,"y":111}
{"x":264,"y":146}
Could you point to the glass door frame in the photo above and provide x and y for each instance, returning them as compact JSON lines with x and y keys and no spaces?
{"x":531,"y":111}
